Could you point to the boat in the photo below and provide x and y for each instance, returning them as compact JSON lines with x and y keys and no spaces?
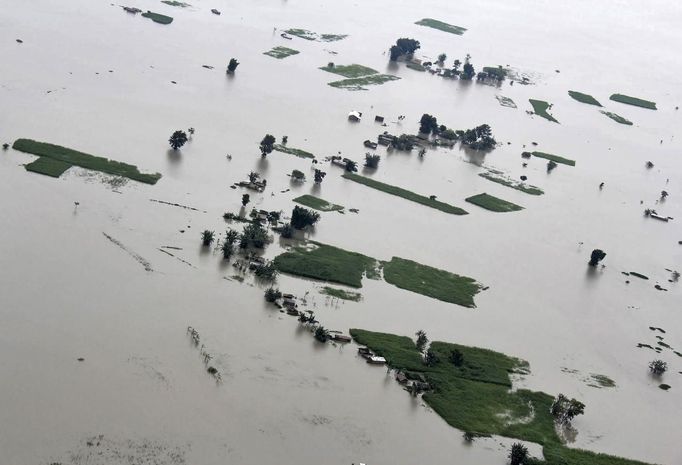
{"x":659,"y":217}
{"x":365,"y":352}
{"x":215,"y":12}
{"x":376,"y":360}
{"x":286,"y":36}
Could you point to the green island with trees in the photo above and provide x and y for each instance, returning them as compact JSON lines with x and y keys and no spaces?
{"x":492,"y":203}
{"x":584,"y":98}
{"x":554,"y":158}
{"x":281,"y":52}
{"x":405,"y":194}
{"x":317,"y":203}
{"x":638,"y":102}
{"x":540,"y":108}
{"x":497,"y":177}
{"x":441,"y":26}
{"x":349,"y":71}
{"x":471,"y":391}
{"x":62,"y":156}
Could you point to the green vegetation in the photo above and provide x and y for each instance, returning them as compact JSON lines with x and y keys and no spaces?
{"x":431,"y":282}
{"x":400,"y":192}
{"x":602,"y":380}
{"x":176,"y":3}
{"x":492,"y":203}
{"x":48,"y":166}
{"x":84,"y":160}
{"x":341,"y":294}
{"x":403,"y":46}
{"x":554,"y":158}
{"x":281,"y":52}
{"x":617,"y":118}
{"x":327,"y":263}
{"x":584,"y":98}
{"x":291,"y":151}
{"x":302,"y":217}
{"x":505,"y":101}
{"x":476,"y":397}
{"x":358,"y":83}
{"x":496,"y":177}
{"x":638,"y":102}
{"x":317,"y":203}
{"x":415,"y":66}
{"x":158,"y":18}
{"x":309,"y":35}
{"x":540,"y":108}
{"x":349,"y":71}
{"x":497,"y":72}
{"x":441,"y":26}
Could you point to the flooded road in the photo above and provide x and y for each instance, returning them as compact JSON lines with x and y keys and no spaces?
{"x":91,"y":77}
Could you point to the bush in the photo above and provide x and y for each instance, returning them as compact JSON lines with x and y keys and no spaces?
{"x":207,"y":237}
{"x":518,"y":454}
{"x":321,"y":334}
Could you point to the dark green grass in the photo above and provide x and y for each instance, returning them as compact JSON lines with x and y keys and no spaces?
{"x":48,"y":166}
{"x":292,"y":151}
{"x":400,"y":192}
{"x":441,"y":26}
{"x":84,"y":160}
{"x":176,"y":3}
{"x":584,"y":98}
{"x":493,"y":203}
{"x":540,"y":108}
{"x":617,"y":118}
{"x":495,"y":71}
{"x":349,"y":71}
{"x":476,"y":396}
{"x":431,"y":282}
{"x":554,"y":158}
{"x":158,"y":18}
{"x":528,"y":189}
{"x":327,"y":263}
{"x":638,"y":102}
{"x":310,"y":35}
{"x":358,"y":83}
{"x":415,"y":66}
{"x":317,"y":203}
{"x":281,"y":52}
{"x":341,"y":294}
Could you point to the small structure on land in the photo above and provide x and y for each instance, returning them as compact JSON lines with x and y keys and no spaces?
{"x":370,"y":145}
{"x":354,"y":116}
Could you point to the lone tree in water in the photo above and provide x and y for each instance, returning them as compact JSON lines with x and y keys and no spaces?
{"x":442,"y":57}
{"x":422,"y":340}
{"x":246,"y":198}
{"x":372,"y":161}
{"x":232,"y":66}
{"x":597,"y":256}
{"x":428,"y":124}
{"x":564,"y":409}
{"x":177,"y":139}
{"x":207,"y":237}
{"x":518,"y":454}
{"x":402,"y":47}
{"x":319,"y":176}
{"x":267,"y":144}
{"x":658,"y":367}
{"x":302,"y":217}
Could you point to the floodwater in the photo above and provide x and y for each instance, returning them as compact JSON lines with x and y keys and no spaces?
{"x":66,"y":291}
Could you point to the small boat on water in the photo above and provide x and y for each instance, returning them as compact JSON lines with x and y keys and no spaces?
{"x":215,"y":12}
{"x":659,"y":217}
{"x":376,"y":360}
{"x":286,"y":36}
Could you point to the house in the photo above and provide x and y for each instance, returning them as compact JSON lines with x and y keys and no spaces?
{"x":354,"y":116}
{"x":369,"y":144}
{"x":379,"y":119}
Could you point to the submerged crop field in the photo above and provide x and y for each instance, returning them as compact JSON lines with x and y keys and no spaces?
{"x":281,"y":52}
{"x":293,"y":151}
{"x":405,"y":194}
{"x":84,"y":160}
{"x":519,"y":186}
{"x":317,"y":203}
{"x":617,"y":118}
{"x":493,"y":203}
{"x":349,"y":71}
{"x":158,"y":17}
{"x":441,"y":26}
{"x":359,"y":83}
{"x":554,"y":158}
{"x":638,"y":102}
{"x":584,"y":98}
{"x":540,"y":108}
{"x":314,"y":36}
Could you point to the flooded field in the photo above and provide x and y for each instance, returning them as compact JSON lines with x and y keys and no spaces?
{"x":112,"y":271}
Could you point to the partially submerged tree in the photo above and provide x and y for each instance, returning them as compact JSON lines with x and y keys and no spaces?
{"x":177,"y":139}
{"x":266,"y":271}
{"x":468,"y":71}
{"x":231,"y":236}
{"x":658,"y":367}
{"x":246,"y":198}
{"x":402,"y":142}
{"x":518,"y":454}
{"x":564,"y":409}
{"x":227,"y":248}
{"x":428,"y":124}
{"x":253,"y":177}
{"x":286,"y":231}
{"x":207,"y":237}
{"x":479,"y":138}
{"x":551,"y":165}
{"x":255,"y":235}
{"x":422,"y":340}
{"x":351,"y":166}
{"x":664,"y":194}
{"x":596,"y":256}
{"x":272,"y":294}
{"x":403,"y":46}
{"x":232,"y":65}
{"x":267,"y":144}
{"x":442,"y":57}
{"x":321,"y":334}
{"x":297,"y":175}
{"x":372,"y":161}
{"x":319,"y":176}
{"x":302,"y":217}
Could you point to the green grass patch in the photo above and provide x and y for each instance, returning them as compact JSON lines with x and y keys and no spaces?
{"x":327,"y":263}
{"x":431,"y":282}
{"x":415,"y":66}
{"x":400,"y":192}
{"x":493,"y":203}
{"x":584,"y":98}
{"x":638,"y":102}
{"x":441,"y":26}
{"x":540,"y":108}
{"x":499,"y":179}
{"x":292,"y":151}
{"x":495,"y":71}
{"x":84,"y":160}
{"x":475,"y":396}
{"x":281,"y":52}
{"x":48,"y":166}
{"x":317,"y":203}
{"x":617,"y":118}
{"x":554,"y":158}
{"x":310,"y":35}
{"x":358,"y":83}
{"x":176,"y":3}
{"x":350,"y":71}
{"x":341,"y":294}
{"x":158,"y":18}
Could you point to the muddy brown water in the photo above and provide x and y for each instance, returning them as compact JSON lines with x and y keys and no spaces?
{"x":68,"y":292}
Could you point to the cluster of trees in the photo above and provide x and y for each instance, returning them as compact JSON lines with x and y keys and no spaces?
{"x":267,"y":144}
{"x":596,"y":256}
{"x":266,"y":271}
{"x":564,"y":409}
{"x":402,"y":142}
{"x":254,"y":235}
{"x":372,"y":161}
{"x":319,"y":176}
{"x":272,"y":294}
{"x":403,"y":46}
{"x":478,"y":138}
{"x":428,"y":124}
{"x":351,"y":166}
{"x":227,"y":247}
{"x":177,"y":139}
{"x":302,"y":217}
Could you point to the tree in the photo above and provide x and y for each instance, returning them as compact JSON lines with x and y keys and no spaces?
{"x":266,"y":271}
{"x":286,"y":231}
{"x":518,"y":454}
{"x":422,"y":340}
{"x":351,"y":166}
{"x":456,"y":65}
{"x":664,"y":194}
{"x":564,"y":409}
{"x":596,"y":256}
{"x":321,"y":334}
{"x":191,"y":131}
{"x":267,"y":144}
{"x":207,"y":237}
{"x":441,"y":58}
{"x":478,"y":138}
{"x":430,"y":359}
{"x":227,"y":248}
{"x":253,"y":177}
{"x":302,"y":217}
{"x":231,"y":236}
{"x":232,"y":66}
{"x":5,"y":146}
{"x":428,"y":124}
{"x":272,"y":294}
{"x":658,"y":367}
{"x":468,"y":71}
{"x":372,"y":161}
{"x":246,"y":198}
{"x":177,"y":139}
{"x":285,"y":139}
{"x":254,"y":234}
{"x":448,"y":134}
{"x":408,"y":46}
{"x":319,"y":176}
{"x":297,"y":175}
{"x":456,"y":358}
{"x":402,"y":142}
{"x":551,"y":165}
{"x":395,"y":52}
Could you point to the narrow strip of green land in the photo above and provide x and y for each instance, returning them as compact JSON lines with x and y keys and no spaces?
{"x":349,"y":71}
{"x":499,"y":179}
{"x":292,"y":151}
{"x":554,"y":158}
{"x":584,"y":98}
{"x":48,"y":166}
{"x":540,"y":108}
{"x":358,"y":83}
{"x":493,"y":203}
{"x":158,"y":18}
{"x":404,"y":193}
{"x":84,"y":160}
{"x":317,"y":203}
{"x":638,"y":102}
{"x":441,"y":26}
{"x":310,"y":35}
{"x":617,"y":118}
{"x":341,"y":294}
